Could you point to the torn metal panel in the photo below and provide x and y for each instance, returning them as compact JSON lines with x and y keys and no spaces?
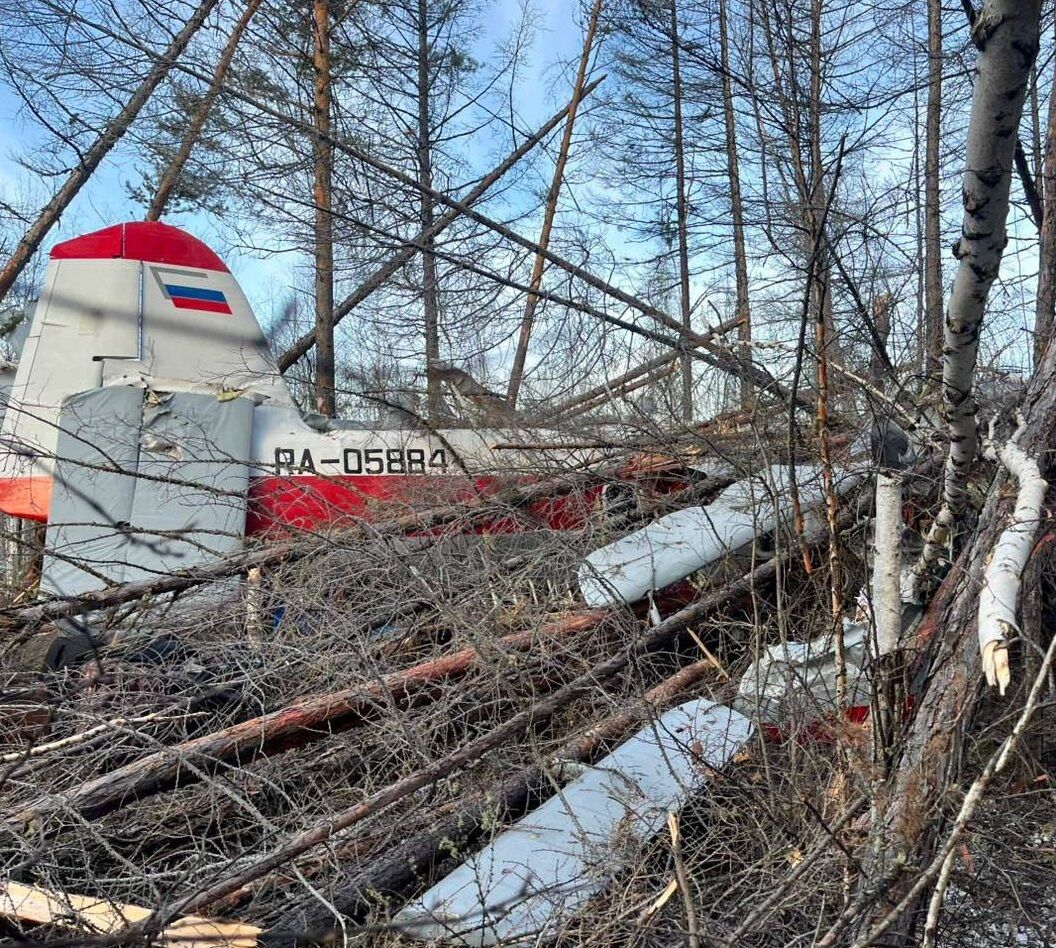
{"x":193,"y":453}
{"x":145,"y":484}
{"x":97,"y":457}
{"x":681,"y":543}
{"x":795,"y":682}
{"x":535,"y":875}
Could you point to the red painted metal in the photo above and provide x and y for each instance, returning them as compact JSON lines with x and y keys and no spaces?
{"x":281,"y":504}
{"x":141,"y":240}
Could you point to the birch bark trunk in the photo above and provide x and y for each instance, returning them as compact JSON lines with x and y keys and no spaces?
{"x":1006,"y":34}
{"x":887,"y":562}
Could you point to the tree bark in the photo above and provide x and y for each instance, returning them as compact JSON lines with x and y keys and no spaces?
{"x":682,"y":210}
{"x":323,"y":168}
{"x":887,"y":562}
{"x":1045,"y":311}
{"x":512,"y":728}
{"x":932,"y":751}
{"x":740,"y":257}
{"x":713,"y":353}
{"x":824,"y":317}
{"x":53,"y":210}
{"x":933,"y":295}
{"x":172,"y":174}
{"x":517,"y":372}
{"x":1006,"y":33}
{"x":418,"y":859}
{"x":430,"y":287}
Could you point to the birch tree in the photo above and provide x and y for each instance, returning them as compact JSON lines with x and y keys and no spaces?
{"x":1006,"y":36}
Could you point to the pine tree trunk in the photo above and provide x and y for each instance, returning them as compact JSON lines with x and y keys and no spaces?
{"x":171,"y":177}
{"x":683,"y":213}
{"x":402,"y":257}
{"x":933,"y":301}
{"x":740,"y":259}
{"x":52,"y":211}
{"x":517,"y":373}
{"x":323,"y":160}
{"x":430,"y":288}
{"x":1045,"y":311}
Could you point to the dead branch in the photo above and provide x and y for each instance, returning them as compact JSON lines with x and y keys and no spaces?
{"x":302,"y":722}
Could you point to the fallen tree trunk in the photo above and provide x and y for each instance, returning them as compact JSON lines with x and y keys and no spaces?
{"x":302,"y":722}
{"x":418,"y":859}
{"x":483,"y":506}
{"x":520,"y":723}
{"x":99,"y":917}
{"x":521,"y":355}
{"x":932,"y":753}
{"x":466,"y":514}
{"x":908,"y":831}
{"x":171,"y":178}
{"x":720,"y":356}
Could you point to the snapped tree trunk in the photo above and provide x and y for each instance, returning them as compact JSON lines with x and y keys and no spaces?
{"x":517,"y":373}
{"x":171,"y":178}
{"x":52,"y":211}
{"x":1006,"y":34}
{"x":323,"y":167}
{"x":932,"y":750}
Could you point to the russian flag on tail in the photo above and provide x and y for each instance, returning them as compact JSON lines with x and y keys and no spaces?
{"x":196,"y":297}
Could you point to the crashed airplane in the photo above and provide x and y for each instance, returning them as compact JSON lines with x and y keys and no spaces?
{"x":148,"y":427}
